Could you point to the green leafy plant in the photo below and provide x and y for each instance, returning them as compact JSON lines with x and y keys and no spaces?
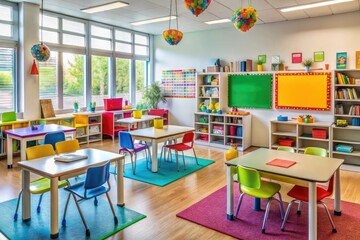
{"x":153,"y":95}
{"x":307,"y":62}
{"x":259,"y":62}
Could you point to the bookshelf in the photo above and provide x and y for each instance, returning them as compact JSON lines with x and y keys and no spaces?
{"x":88,"y":127}
{"x":19,"y":123}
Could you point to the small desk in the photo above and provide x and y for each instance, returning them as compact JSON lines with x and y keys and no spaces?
{"x":131,"y":121}
{"x":27,"y":134}
{"x":49,"y":168}
{"x":156,"y":136}
{"x":309,"y":168}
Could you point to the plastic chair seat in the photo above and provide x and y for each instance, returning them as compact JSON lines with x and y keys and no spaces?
{"x":42,"y":185}
{"x":138,"y":147}
{"x":179,"y":147}
{"x":267,"y":190}
{"x":78,"y":189}
{"x":302,"y":193}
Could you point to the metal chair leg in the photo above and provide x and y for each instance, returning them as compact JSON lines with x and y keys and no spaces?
{"x":239,"y":204}
{"x":195,"y":157}
{"x":177,"y":160}
{"x":65,"y":210}
{"x":17,"y":207}
{"x":135,"y":162}
{"x":132,"y":163}
{"x":183,"y":160}
{"x":81,"y":215}
{"x":287,"y":214}
{"x":266,"y":214}
{"x":331,"y":221}
{"x":299,"y":208}
{"x":38,"y":209}
{"x":281,"y":206}
{"x":112,"y":208}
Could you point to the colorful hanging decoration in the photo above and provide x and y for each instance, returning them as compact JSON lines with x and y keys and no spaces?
{"x":173,"y":36}
{"x":196,"y":7}
{"x":40,"y":51}
{"x":244,"y":18}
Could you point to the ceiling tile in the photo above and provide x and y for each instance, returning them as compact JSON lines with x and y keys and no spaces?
{"x":271,"y":15}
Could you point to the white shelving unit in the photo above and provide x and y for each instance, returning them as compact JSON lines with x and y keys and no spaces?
{"x":301,"y":133}
{"x":88,"y":127}
{"x":220,"y":130}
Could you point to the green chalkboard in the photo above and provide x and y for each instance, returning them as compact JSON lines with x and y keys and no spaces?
{"x":250,"y":91}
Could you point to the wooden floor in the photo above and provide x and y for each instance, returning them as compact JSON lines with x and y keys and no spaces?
{"x":160,"y":204}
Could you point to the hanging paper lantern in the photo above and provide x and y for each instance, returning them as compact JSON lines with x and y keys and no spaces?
{"x":196,"y":7}
{"x":40,"y":52}
{"x":244,"y":18}
{"x":172,"y":36}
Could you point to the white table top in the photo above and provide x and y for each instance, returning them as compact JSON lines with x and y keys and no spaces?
{"x":167,"y":131}
{"x":308,"y":167}
{"x":144,"y":118}
{"x":48,"y":167}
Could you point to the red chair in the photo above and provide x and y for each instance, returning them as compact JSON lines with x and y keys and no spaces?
{"x":186,"y":144}
{"x":300,"y":193}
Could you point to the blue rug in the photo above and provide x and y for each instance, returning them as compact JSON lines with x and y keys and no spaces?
{"x":99,"y":219}
{"x":167,"y":171}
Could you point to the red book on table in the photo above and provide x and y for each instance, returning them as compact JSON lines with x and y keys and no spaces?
{"x":281,"y":163}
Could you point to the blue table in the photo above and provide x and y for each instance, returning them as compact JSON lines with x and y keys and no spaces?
{"x":29,"y":134}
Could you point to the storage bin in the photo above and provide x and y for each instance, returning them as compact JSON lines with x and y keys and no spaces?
{"x":111,"y":104}
{"x":319,"y":133}
{"x":232,"y":130}
{"x":239,"y":131}
{"x":158,"y":123}
{"x":137,"y":114}
{"x":286,"y":142}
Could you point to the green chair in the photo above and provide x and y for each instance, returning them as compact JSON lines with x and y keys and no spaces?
{"x":250,"y":183}
{"x":316,"y":151}
{"x":287,"y":149}
{"x":8,"y":117}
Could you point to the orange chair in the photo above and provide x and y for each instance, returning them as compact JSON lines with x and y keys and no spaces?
{"x":186,"y":144}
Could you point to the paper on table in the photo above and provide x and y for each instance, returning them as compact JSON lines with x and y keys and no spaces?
{"x":69,"y":157}
{"x":281,"y":163}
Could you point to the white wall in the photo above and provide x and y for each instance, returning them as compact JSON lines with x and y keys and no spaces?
{"x":332,"y":34}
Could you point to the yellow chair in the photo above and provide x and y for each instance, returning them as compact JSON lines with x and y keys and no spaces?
{"x":316,"y":151}
{"x":67,"y":146}
{"x":40,"y":185}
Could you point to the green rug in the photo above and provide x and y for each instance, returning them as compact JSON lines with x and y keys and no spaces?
{"x":99,"y":219}
{"x":167,"y":172}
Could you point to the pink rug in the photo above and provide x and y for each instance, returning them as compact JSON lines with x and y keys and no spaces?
{"x":211,"y":212}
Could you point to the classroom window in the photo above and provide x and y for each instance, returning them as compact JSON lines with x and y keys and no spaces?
{"x":48,"y":81}
{"x":49,"y":36}
{"x":100,"y":79}
{"x":7,"y":79}
{"x":73,"y":26}
{"x":49,"y":22}
{"x":123,"y":78}
{"x":6,"y":30}
{"x":73,"y":40}
{"x":140,"y":78}
{"x":74,"y":77}
{"x":8,"y":21}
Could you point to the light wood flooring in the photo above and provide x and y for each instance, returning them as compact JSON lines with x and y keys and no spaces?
{"x":160,"y":204}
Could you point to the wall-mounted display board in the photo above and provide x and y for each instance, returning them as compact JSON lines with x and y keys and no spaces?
{"x":303,"y":91}
{"x":250,"y":91}
{"x":178,"y":83}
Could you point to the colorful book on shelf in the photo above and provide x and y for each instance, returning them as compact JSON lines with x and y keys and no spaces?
{"x":281,"y":163}
{"x":357,"y":61}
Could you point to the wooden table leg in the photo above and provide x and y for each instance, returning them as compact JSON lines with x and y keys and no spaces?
{"x":54,"y":208}
{"x":312,"y":211}
{"x":229,"y":194}
{"x":154,"y":157}
{"x":120,"y":182}
{"x":337,"y":194}
{"x":26,"y":199}
{"x":9,"y":152}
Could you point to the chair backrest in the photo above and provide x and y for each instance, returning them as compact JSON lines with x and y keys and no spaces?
{"x":54,"y":137}
{"x":8,"y":117}
{"x":316,"y":151}
{"x":97,"y":176}
{"x":249,"y":177}
{"x":67,"y":146}
{"x":287,"y":149}
{"x":39,"y":151}
{"x":125,"y":140}
{"x":188,"y":138}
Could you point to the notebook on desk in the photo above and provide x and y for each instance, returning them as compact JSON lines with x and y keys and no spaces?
{"x":281,"y":163}
{"x":71,"y":157}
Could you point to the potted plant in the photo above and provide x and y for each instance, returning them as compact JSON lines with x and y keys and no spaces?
{"x":153,"y":95}
{"x":281,"y":65}
{"x":259,"y":65}
{"x":307,"y":63}
{"x":76,"y":106}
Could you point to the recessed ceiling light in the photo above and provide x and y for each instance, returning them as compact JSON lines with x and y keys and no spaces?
{"x":218,"y":21}
{"x":105,"y":7}
{"x":313,"y":5}
{"x":153,"y":20}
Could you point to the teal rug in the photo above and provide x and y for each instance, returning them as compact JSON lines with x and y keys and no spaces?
{"x":99,"y":219}
{"x":167,"y":171}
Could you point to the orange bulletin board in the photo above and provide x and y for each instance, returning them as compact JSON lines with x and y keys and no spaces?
{"x":303,"y":91}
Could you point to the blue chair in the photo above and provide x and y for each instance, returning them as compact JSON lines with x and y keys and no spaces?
{"x":93,"y":186}
{"x":53,"y":138}
{"x":128,"y":146}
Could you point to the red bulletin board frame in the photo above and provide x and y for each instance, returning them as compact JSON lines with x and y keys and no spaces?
{"x":303,"y":91}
